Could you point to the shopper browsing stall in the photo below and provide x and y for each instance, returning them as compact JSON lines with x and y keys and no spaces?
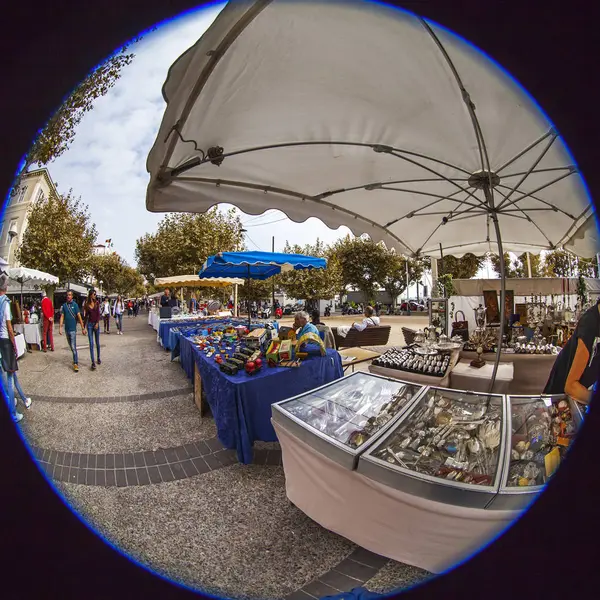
{"x":576,"y":369}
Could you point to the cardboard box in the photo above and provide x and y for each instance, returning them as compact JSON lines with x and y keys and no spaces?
{"x":285,"y":350}
{"x":273,"y":351}
{"x":256,"y":338}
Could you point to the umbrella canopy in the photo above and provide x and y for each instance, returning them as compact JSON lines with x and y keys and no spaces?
{"x":194,"y":281}
{"x":31,"y":277}
{"x":585,"y":242}
{"x":365,"y":116}
{"x":257,"y":265}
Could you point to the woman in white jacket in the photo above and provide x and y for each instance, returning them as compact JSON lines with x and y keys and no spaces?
{"x":117,"y":311}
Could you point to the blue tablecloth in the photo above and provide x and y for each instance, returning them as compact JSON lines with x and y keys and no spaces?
{"x":241,"y":404}
{"x":168,"y":341}
{"x":177,"y":333}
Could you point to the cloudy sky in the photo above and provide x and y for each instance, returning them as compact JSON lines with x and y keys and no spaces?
{"x":106,"y":163}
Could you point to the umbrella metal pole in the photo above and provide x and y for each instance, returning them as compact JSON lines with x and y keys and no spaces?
{"x":494,"y":217}
{"x":249,"y":304}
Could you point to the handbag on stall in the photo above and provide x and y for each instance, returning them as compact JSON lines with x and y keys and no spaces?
{"x":460,"y":327}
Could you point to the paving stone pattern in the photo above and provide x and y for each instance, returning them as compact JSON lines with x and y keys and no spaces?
{"x":353,"y":572}
{"x":144,"y":468}
{"x":106,"y":399}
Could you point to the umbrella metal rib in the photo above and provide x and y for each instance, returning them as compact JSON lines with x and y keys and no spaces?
{"x":523,"y":152}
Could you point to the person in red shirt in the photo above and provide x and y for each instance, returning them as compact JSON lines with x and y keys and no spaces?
{"x":48,"y":316}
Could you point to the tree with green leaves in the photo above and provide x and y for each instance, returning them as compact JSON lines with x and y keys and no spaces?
{"x":393,"y":276}
{"x":107,"y":269}
{"x":363,"y":265}
{"x":517,"y":267}
{"x":465,"y":267}
{"x":311,"y":284}
{"x":561,"y":263}
{"x":184,"y":241}
{"x":59,"y":238}
{"x":129,"y":281}
{"x":58,"y":133}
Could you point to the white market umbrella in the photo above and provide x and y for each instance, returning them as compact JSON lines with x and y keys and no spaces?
{"x":31,"y":277}
{"x":365,"y":116}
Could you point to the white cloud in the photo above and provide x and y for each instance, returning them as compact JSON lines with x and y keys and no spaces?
{"x":106,"y":164}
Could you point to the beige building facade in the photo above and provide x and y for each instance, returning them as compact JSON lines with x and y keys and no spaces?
{"x":34,"y":185}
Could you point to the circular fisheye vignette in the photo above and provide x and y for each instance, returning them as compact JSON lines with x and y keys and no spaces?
{"x":207,"y":6}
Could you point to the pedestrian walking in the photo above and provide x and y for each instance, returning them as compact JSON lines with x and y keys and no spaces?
{"x":117,"y":311}
{"x":47,"y":330}
{"x":136,"y":308}
{"x":105,"y":311}
{"x":129,"y":308}
{"x":91,"y":315}
{"x":70,"y":315}
{"x":8,"y":352}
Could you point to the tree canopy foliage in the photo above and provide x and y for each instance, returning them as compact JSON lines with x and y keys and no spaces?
{"x":184,"y":241}
{"x":311,"y":284}
{"x":116,"y":275}
{"x":59,"y":132}
{"x":59,"y":237}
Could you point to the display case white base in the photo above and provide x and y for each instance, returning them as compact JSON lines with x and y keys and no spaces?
{"x":406,"y":528}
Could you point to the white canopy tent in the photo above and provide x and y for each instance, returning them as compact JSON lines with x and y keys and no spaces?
{"x":195,"y":281}
{"x":365,"y":116}
{"x":32,"y":278}
{"x":469,"y":292}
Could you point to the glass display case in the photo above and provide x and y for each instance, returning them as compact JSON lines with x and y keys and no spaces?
{"x":343,"y":418}
{"x":541,"y":429}
{"x":448,"y":447}
{"x":438,"y":314}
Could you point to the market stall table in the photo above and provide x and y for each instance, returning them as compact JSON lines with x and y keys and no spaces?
{"x":466,"y":377}
{"x":32,"y":333}
{"x":356,"y":356}
{"x":20,"y":344}
{"x":241,"y":404}
{"x":412,"y":530}
{"x":531,"y":371}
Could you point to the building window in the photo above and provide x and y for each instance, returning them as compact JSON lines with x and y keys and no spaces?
{"x":20,"y":194}
{"x":13,"y":225}
{"x":40,"y":196}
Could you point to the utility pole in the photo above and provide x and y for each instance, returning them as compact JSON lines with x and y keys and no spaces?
{"x":273,"y":280}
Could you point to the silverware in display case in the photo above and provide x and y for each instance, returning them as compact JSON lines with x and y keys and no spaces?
{"x":343,"y":418}
{"x":449,"y":436}
{"x":355,"y":409}
{"x":541,"y":431}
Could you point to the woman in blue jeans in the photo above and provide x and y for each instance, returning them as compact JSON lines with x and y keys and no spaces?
{"x":91,"y":314}
{"x":118,"y":310}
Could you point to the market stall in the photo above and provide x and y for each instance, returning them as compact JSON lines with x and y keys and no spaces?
{"x":240,"y":390}
{"x":446,"y":469}
{"x":32,"y":333}
{"x":477,"y":169}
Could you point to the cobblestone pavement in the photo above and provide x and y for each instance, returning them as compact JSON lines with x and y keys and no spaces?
{"x":126,"y":446}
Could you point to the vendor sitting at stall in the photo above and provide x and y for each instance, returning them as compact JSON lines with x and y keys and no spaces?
{"x":576,"y":368}
{"x":302,"y":326}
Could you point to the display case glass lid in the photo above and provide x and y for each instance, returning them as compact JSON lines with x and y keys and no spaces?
{"x":542,"y":428}
{"x":449,"y":435}
{"x":353,"y":409}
